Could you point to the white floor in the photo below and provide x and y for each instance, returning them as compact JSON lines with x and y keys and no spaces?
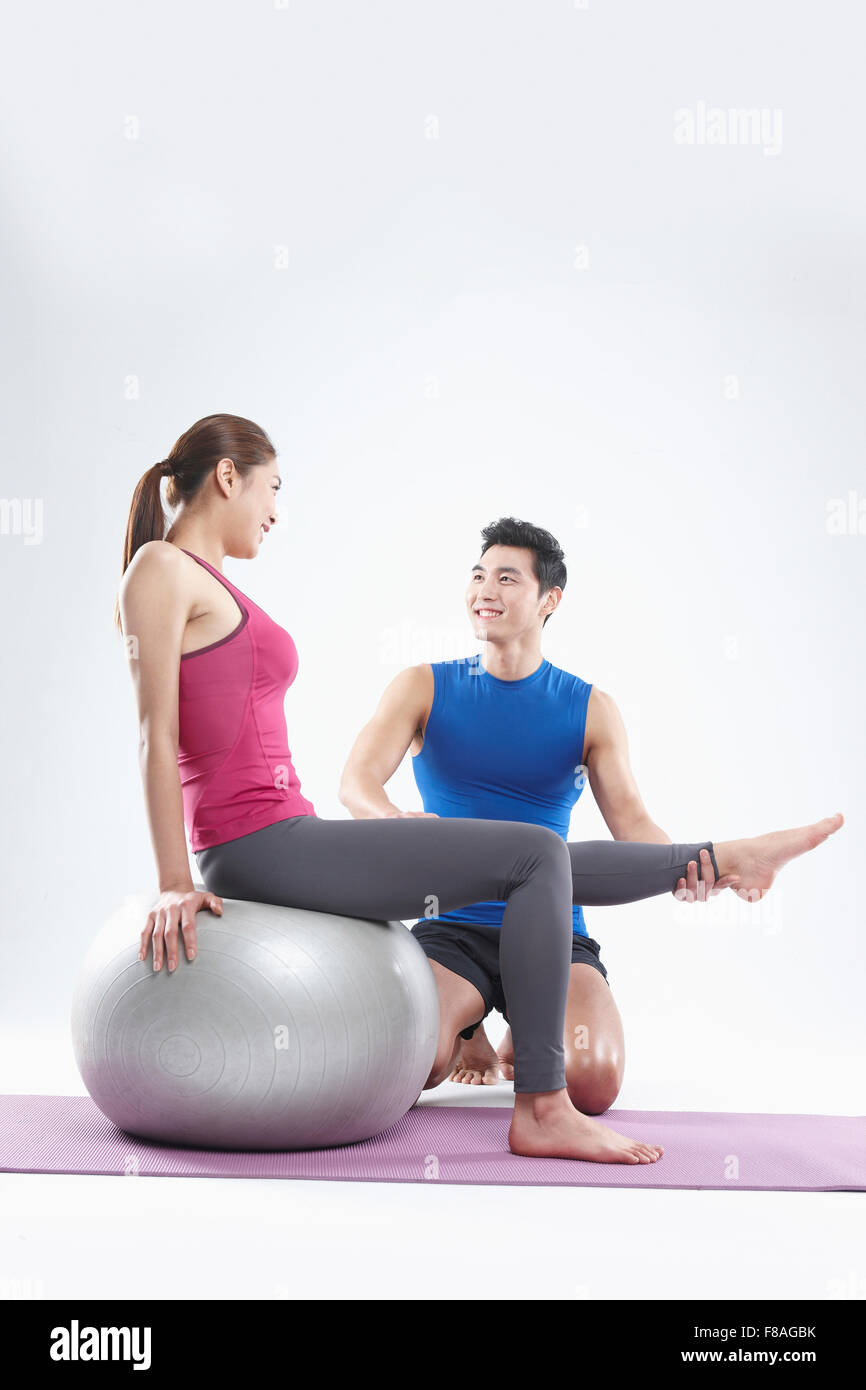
{"x":106,"y":1237}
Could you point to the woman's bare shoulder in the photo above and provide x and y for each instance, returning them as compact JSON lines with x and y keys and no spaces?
{"x":159,"y":577}
{"x":153,"y":560}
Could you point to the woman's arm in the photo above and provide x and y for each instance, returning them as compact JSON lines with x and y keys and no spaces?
{"x":154,"y":608}
{"x":155,"y":600}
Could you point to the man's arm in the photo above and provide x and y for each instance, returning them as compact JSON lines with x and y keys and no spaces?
{"x":617,"y":796}
{"x":610,"y":775}
{"x":383,"y":742}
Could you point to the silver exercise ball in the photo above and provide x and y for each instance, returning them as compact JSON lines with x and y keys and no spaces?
{"x":289,"y":1029}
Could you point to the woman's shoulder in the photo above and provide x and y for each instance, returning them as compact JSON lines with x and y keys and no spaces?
{"x":155,"y":557}
{"x":157,"y":569}
{"x":165,"y":552}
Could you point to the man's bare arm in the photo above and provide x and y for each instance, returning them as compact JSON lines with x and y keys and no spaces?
{"x":384,"y":741}
{"x":617,"y":796}
{"x":610,"y":775}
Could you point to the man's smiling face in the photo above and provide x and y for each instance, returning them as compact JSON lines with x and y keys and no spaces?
{"x":502,"y":599}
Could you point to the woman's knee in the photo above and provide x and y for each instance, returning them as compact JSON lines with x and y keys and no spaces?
{"x":547,"y":847}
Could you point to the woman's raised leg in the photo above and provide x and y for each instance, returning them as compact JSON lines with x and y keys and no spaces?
{"x":415,"y":867}
{"x":399,"y":868}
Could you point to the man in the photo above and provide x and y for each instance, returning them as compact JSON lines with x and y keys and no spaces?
{"x":510,"y":737}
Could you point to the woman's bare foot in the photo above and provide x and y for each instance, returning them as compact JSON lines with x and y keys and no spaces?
{"x":546,"y":1125}
{"x":752,"y":864}
{"x":477,"y":1063}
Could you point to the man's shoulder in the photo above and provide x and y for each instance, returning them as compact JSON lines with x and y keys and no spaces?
{"x":458,"y":666}
{"x":602,"y":716}
{"x":570,"y":680}
{"x":417,"y":675}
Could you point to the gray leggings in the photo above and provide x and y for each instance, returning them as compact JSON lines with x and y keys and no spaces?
{"x":391,"y":869}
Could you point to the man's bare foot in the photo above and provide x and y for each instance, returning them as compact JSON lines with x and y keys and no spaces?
{"x":477,"y":1063}
{"x":546,"y":1125}
{"x":752,"y":864}
{"x":505,"y":1053}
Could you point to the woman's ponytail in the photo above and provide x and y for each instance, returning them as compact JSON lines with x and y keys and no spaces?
{"x":146,"y":520}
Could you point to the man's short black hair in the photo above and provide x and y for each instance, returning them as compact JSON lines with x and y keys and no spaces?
{"x":548,"y":556}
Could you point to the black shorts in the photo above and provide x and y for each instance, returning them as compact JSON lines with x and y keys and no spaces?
{"x":472,"y":950}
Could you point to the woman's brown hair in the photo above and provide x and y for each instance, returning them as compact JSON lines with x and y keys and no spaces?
{"x":189,"y":462}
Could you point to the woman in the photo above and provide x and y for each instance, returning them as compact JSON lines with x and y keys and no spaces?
{"x":211,"y":670}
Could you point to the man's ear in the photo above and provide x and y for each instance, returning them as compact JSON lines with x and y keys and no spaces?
{"x":556,"y":594}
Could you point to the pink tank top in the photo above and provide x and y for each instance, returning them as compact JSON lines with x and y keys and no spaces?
{"x":233,"y":754}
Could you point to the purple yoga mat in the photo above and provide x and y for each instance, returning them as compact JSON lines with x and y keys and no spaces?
{"x":463,"y":1144}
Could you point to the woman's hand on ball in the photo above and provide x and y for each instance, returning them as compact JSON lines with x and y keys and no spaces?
{"x":175,"y":909}
{"x":404,"y":815}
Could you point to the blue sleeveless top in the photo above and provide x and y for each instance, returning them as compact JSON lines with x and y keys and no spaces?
{"x":503,"y":750}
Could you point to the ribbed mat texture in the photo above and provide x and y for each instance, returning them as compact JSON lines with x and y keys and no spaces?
{"x":463,"y":1144}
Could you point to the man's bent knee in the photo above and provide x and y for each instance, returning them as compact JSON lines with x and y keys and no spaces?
{"x":443,"y":1063}
{"x":593,"y":1085}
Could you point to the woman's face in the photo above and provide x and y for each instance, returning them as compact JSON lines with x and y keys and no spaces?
{"x":254,"y":509}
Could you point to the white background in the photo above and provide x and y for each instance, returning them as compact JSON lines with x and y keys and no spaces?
{"x":453,"y":260}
